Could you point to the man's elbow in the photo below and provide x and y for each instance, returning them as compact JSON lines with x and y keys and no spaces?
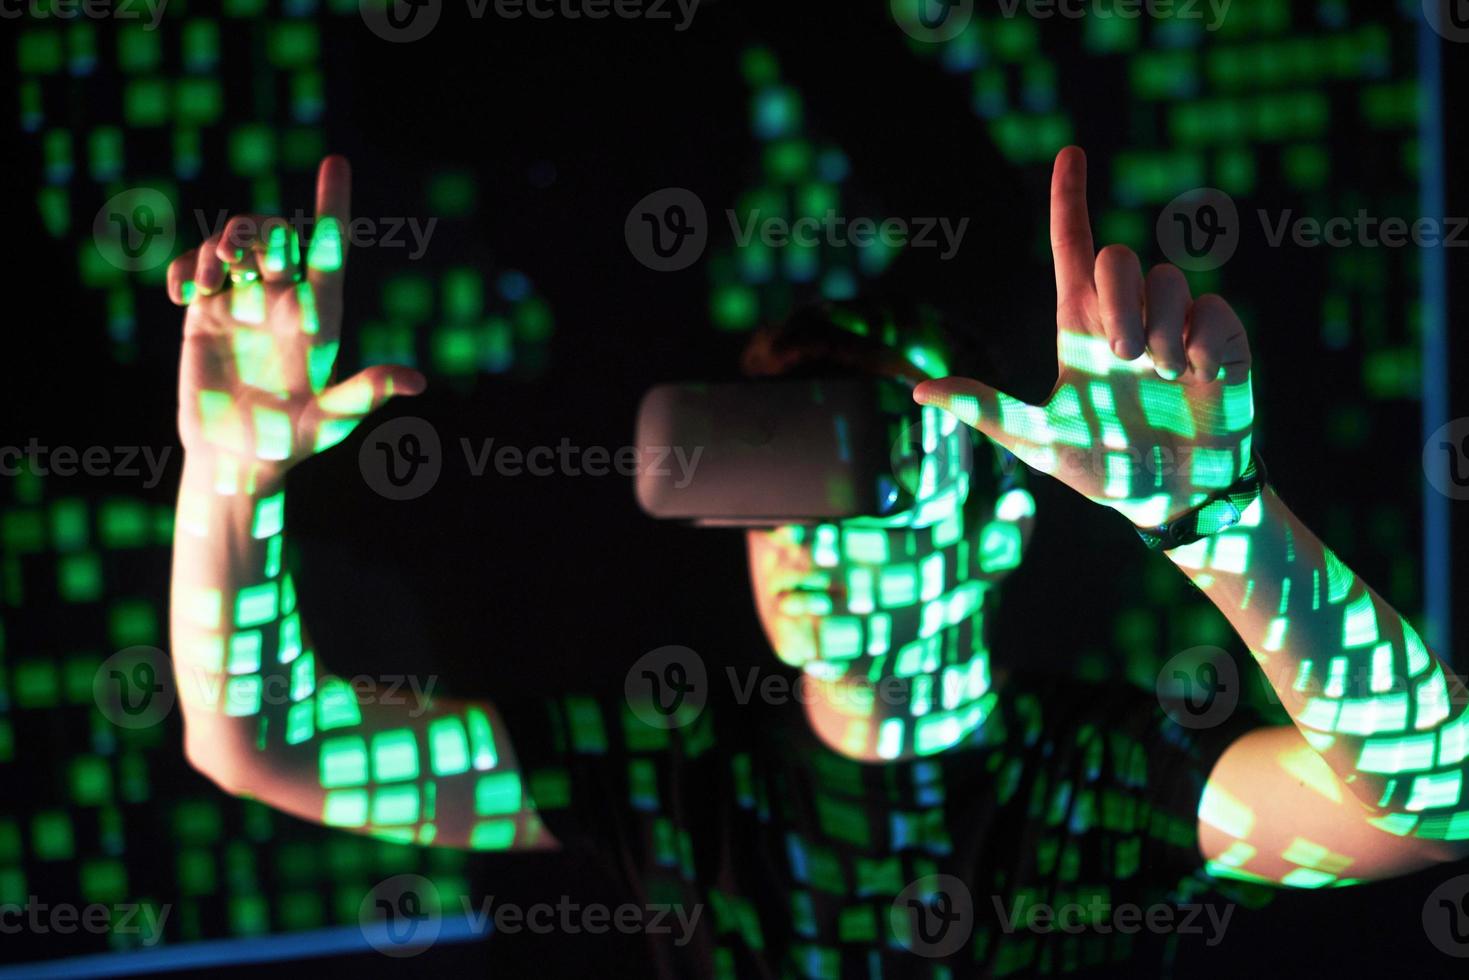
{"x":213,"y":758}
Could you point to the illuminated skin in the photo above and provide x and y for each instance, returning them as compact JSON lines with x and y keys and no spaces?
{"x":263,"y":718}
{"x":1369,"y":782}
{"x":886,"y":618}
{"x":1371,"y":790}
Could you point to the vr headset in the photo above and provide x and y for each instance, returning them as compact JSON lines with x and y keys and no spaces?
{"x":767,"y":453}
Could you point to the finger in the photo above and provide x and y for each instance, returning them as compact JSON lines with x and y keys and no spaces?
{"x":241,"y":235}
{"x":338,"y":409}
{"x":1216,"y":340}
{"x":209,"y":272}
{"x":1168,"y":299}
{"x":281,"y":261}
{"x":181,"y":288}
{"x":1120,"y":300}
{"x":326,"y":256}
{"x":977,"y":405}
{"x":1071,"y":235}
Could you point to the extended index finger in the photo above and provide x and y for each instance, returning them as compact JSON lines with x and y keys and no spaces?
{"x":326,"y":257}
{"x":1071,"y":232}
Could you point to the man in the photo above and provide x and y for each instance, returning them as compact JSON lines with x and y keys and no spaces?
{"x":927,"y":816}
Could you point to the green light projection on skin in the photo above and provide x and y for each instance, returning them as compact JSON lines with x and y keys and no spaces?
{"x":923,"y":575}
{"x":1378,"y":712}
{"x":261,"y":351}
{"x":1374,"y":712}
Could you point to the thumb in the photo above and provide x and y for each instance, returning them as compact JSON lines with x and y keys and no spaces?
{"x":369,"y":389}
{"x":339,"y":409}
{"x":1003,"y":419}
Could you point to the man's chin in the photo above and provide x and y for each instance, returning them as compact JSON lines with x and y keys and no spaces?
{"x":795,"y":640}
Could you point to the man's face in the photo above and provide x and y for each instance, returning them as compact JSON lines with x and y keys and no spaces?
{"x":877,"y":595}
{"x":832,"y":594}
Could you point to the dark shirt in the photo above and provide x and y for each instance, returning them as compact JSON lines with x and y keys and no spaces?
{"x":802,"y":862}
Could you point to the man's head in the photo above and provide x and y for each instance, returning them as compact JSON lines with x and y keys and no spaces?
{"x":901,"y":595}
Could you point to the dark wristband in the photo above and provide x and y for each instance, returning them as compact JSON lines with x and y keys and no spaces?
{"x":1220,"y":512}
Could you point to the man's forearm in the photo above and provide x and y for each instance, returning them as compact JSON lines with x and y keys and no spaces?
{"x":1385,"y":713}
{"x":264,"y":719}
{"x":234,"y":632}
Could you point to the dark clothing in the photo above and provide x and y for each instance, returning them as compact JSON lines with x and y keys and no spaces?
{"x":1069,"y":794}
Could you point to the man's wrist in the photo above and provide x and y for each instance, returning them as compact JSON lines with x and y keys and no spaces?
{"x":228,"y":475}
{"x":1223,"y":510}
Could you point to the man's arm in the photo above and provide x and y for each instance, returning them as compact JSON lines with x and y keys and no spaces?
{"x":1369,"y":783}
{"x":1152,"y":415}
{"x":263,"y":718}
